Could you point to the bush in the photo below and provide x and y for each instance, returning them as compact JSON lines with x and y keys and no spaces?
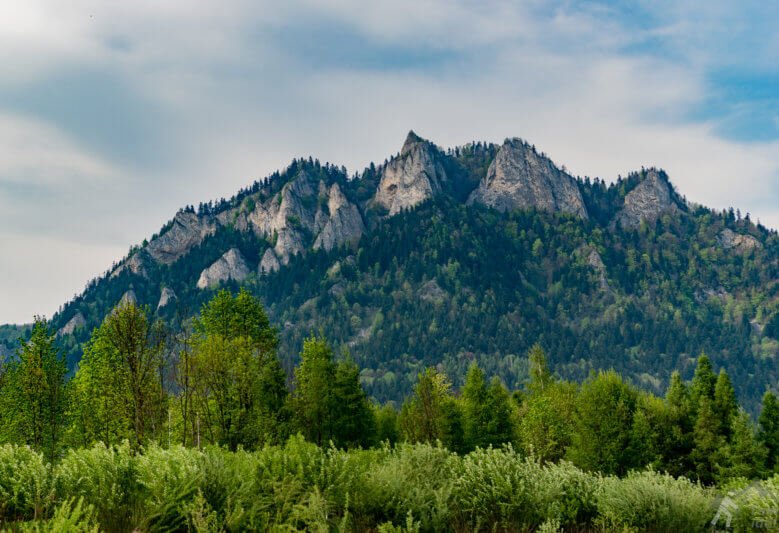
{"x":648,"y":501}
{"x":25,"y":483}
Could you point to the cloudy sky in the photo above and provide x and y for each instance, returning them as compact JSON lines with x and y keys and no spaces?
{"x":115,"y":114}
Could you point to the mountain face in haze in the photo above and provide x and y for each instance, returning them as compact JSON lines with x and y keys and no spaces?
{"x":441,"y":257}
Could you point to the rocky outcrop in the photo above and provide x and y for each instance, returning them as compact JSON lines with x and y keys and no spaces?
{"x":167,"y":297}
{"x":231,"y":266}
{"x":593,"y":259}
{"x":128,"y":298}
{"x":187,"y":231}
{"x":306,"y":213}
{"x":648,"y":201}
{"x":136,"y":264}
{"x":521,"y":178}
{"x":730,"y":240}
{"x":77,"y":321}
{"x":269,"y":262}
{"x":413,"y":177}
{"x":344,"y":223}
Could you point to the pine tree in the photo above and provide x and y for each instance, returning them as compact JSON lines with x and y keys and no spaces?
{"x":703,"y":382}
{"x":354,"y":422}
{"x":37,"y":393}
{"x":725,"y":403}
{"x":709,"y":450}
{"x":768,"y":430}
{"x":313,"y":394}
{"x":745,"y":454}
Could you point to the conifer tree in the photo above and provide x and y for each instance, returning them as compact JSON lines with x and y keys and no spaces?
{"x":725,"y":403}
{"x":709,"y":450}
{"x":703,"y":382}
{"x":768,"y":430}
{"x":745,"y":454}
{"x":36,"y":392}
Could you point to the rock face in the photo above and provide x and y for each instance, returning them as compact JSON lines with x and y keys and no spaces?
{"x":411,"y":178}
{"x":231,"y":266}
{"x":730,"y":240}
{"x":344,"y":223}
{"x":76,"y":322}
{"x":648,"y":201}
{"x":135,"y":264}
{"x":521,"y":178}
{"x":128,"y":298}
{"x":188,"y":230}
{"x":269,"y":263}
{"x":167,"y":297}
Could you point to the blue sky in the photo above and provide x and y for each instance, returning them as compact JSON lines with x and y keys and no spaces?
{"x":113,"y":115}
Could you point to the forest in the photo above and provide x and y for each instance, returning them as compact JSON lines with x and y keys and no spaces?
{"x":448,"y":284}
{"x":202,"y":429}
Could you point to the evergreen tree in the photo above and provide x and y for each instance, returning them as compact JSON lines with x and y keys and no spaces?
{"x":36,"y":392}
{"x":354,"y":422}
{"x":745,"y":454}
{"x":768,"y":430}
{"x":675,"y":433}
{"x":703,"y":382}
{"x":725,"y":404}
{"x":432,"y":414}
{"x":313,"y":401}
{"x":709,"y":451}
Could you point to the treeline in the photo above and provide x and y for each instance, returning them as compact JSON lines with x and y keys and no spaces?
{"x":222,"y":383}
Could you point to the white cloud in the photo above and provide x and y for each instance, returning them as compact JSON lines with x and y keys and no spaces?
{"x":239,"y":103}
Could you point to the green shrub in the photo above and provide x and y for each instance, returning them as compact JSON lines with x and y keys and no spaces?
{"x":105,"y":477}
{"x":25,"y":483}
{"x":68,"y":517}
{"x":648,"y":501}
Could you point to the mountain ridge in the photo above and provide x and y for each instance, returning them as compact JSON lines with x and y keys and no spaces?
{"x":331,"y":241}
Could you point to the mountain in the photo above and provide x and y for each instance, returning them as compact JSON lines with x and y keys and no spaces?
{"x":441,"y":257}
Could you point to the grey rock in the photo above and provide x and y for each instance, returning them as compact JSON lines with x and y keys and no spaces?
{"x":595,"y":261}
{"x":188,"y":230}
{"x":521,"y":178}
{"x":77,"y":321}
{"x":167,"y":297}
{"x":269,"y":263}
{"x":648,"y":201}
{"x":730,"y":240}
{"x":231,"y":266}
{"x":431,"y":291}
{"x":344,"y":223}
{"x":136,"y":264}
{"x":128,"y":298}
{"x":413,"y":177}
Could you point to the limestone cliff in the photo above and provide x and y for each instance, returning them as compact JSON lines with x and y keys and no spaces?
{"x":187,"y":231}
{"x":231,"y":266}
{"x":648,"y":201}
{"x":730,"y":240}
{"x":521,"y":178}
{"x":413,"y":177}
{"x":76,"y":322}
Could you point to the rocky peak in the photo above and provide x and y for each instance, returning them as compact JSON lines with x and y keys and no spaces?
{"x":167,"y":297}
{"x":231,"y":266}
{"x":77,"y":321}
{"x":136,"y":264}
{"x":648,"y":201}
{"x":269,"y":262}
{"x":344,"y":224}
{"x":413,"y":177}
{"x":187,"y":231}
{"x":521,"y":178}
{"x":127,"y":298}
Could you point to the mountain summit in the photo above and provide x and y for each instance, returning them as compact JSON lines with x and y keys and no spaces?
{"x":445,"y":256}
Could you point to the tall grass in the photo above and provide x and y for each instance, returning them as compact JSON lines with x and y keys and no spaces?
{"x":302,"y":487}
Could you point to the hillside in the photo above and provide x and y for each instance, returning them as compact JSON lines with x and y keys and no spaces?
{"x":440,"y":257}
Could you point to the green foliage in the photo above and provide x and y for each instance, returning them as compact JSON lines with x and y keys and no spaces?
{"x":605,"y":409}
{"x":646,"y":501}
{"x":34,"y":395}
{"x":25,"y":484}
